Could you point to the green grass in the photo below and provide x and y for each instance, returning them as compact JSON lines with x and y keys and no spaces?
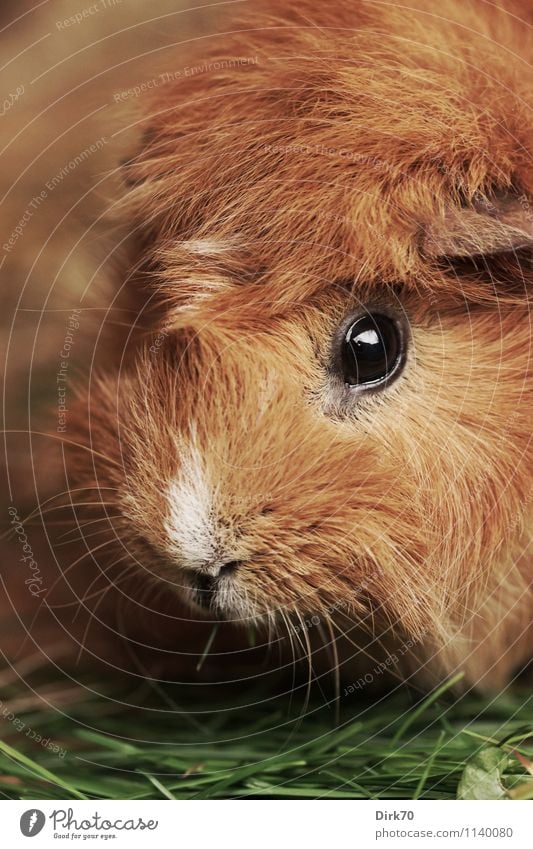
{"x":397,"y":747}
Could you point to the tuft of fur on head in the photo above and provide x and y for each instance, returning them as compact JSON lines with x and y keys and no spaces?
{"x":275,"y":197}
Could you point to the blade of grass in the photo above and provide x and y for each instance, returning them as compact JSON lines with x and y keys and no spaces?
{"x":436,"y":694}
{"x":430,"y":761}
{"x":162,"y":789}
{"x":38,"y":770}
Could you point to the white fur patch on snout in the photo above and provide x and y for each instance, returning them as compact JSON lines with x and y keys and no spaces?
{"x":190,"y":521}
{"x":207,"y":247}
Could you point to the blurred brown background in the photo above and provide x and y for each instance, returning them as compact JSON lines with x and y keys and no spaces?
{"x":75,"y":76}
{"x":75,"y":79}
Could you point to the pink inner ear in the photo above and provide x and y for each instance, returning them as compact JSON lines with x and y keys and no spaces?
{"x":486,"y":228}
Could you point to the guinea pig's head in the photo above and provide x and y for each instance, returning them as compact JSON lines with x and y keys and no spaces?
{"x":330,"y":405}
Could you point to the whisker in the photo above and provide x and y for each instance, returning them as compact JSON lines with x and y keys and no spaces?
{"x":363,"y":649}
{"x":65,"y":441}
{"x":331,"y":647}
{"x":41,"y":504}
{"x":80,"y":526}
{"x":92,"y":613}
{"x":69,"y":506}
{"x":305,"y":706}
{"x":152,"y":682}
{"x":87,"y":597}
{"x":208,"y":646}
{"x":82,"y":537}
{"x":101,"y":574}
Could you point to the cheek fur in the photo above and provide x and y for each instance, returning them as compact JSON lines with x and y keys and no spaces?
{"x":405,"y":511}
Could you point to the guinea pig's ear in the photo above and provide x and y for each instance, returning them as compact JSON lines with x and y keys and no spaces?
{"x":485,"y":227}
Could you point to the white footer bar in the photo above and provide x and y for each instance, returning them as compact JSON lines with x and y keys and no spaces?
{"x":265,"y":824}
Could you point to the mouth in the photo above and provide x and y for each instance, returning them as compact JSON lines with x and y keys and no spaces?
{"x":214,"y":591}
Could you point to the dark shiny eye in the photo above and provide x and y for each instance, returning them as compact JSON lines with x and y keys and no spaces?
{"x":371,"y":350}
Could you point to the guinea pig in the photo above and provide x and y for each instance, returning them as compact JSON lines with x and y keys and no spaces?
{"x":323,"y":413}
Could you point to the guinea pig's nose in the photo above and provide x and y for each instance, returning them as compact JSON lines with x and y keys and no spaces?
{"x":206,"y":577}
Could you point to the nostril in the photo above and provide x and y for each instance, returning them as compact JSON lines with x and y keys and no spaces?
{"x":207,"y":584}
{"x":204,"y":583}
{"x":230,"y":567}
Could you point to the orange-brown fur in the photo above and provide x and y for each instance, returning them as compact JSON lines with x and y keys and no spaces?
{"x":267,"y":201}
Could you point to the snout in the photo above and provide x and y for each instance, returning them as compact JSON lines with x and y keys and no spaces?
{"x":209,"y":585}
{"x":244,"y":494}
